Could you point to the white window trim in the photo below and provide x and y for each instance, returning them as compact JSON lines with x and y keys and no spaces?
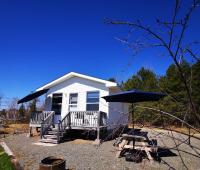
{"x":92,"y":97}
{"x":76,"y":105}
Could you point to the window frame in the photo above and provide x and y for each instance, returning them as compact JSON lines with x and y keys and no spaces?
{"x":73,"y":105}
{"x":92,"y":103}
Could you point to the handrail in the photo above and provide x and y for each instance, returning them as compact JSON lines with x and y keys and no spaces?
{"x":47,"y":114}
{"x":46,"y":122}
{"x":62,"y":125}
{"x":65,"y":117}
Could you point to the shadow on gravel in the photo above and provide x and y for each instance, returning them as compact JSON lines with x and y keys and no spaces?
{"x":78,"y":134}
{"x":164,"y":152}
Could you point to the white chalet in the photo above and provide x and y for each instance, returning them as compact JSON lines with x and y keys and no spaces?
{"x":74,"y":101}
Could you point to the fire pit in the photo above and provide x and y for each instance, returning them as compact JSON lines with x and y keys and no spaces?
{"x":52,"y":163}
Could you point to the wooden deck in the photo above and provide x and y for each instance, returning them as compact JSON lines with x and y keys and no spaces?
{"x":79,"y":120}
{"x":74,"y":119}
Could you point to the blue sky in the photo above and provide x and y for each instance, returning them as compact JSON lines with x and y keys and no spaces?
{"x":42,"y":40}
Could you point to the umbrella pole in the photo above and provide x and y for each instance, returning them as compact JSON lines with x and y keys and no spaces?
{"x":132,"y":116}
{"x":133,"y":124}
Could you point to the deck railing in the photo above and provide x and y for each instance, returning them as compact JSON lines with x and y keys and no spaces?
{"x":62,"y":125}
{"x":38,"y":117}
{"x":47,"y":122}
{"x":81,"y":120}
{"x":73,"y":118}
{"x":87,"y":119}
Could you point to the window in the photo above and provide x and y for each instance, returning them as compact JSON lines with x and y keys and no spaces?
{"x":92,"y":101}
{"x":73,"y":100}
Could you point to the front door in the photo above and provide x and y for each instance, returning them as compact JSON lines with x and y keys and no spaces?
{"x":57,"y":106}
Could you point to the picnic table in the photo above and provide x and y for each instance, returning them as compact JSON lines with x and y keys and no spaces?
{"x":137,"y":141}
{"x":135,"y":96}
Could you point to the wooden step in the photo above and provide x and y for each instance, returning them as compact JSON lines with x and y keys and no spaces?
{"x":55,"y":141}
{"x":52,"y":132}
{"x":54,"y":129}
{"x":50,"y":136}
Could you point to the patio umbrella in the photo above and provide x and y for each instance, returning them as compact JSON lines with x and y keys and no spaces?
{"x":32,"y":96}
{"x":134,"y":96}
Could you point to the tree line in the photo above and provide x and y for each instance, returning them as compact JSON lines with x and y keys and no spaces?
{"x":176,"y":101}
{"x":20,"y":113}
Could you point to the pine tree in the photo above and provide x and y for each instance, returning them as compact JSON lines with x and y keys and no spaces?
{"x":22,"y":111}
{"x":144,"y":79}
{"x":32,"y":106}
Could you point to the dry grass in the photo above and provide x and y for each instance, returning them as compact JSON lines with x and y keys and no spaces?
{"x":82,"y":141}
{"x":172,"y":127}
{"x":15,"y":128}
{"x":184,"y":129}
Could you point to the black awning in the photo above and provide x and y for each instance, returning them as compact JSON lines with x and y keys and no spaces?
{"x":32,"y":96}
{"x":134,"y":96}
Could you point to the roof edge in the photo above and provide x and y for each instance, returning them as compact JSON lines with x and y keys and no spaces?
{"x":74,"y":74}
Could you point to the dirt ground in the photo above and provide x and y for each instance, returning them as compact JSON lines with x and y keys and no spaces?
{"x":81,"y":154}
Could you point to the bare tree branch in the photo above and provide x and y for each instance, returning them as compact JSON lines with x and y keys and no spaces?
{"x":173,"y":22}
{"x":193,"y":55}
{"x":167,"y":45}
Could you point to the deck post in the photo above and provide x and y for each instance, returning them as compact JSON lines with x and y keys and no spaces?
{"x":98,"y":133}
{"x":97,"y":140}
{"x":69,"y":119}
{"x":30,"y":132}
{"x":41,"y":131}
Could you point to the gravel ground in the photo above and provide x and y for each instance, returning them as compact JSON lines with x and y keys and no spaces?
{"x":87,"y":156}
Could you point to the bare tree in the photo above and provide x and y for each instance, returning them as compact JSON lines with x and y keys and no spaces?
{"x":13,"y":109}
{"x":1,"y":97}
{"x":172,"y":43}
